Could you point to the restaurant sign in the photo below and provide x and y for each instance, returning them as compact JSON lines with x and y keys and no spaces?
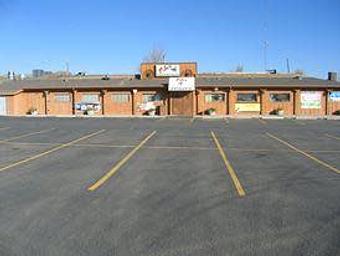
{"x":166,"y":70}
{"x":181,"y":84}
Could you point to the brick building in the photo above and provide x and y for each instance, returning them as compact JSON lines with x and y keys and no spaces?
{"x":174,"y":89}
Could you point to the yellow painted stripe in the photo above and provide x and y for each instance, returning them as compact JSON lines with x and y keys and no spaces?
{"x":110,"y":173}
{"x":304,"y":153}
{"x":332,"y":136}
{"x":49,"y":151}
{"x":25,"y":135}
{"x":229,"y":167}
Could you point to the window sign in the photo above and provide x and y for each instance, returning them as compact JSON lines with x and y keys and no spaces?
{"x":334,"y":96}
{"x":311,"y":100}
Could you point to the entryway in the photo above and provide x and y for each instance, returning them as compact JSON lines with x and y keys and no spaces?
{"x":3,"y":109}
{"x":182,"y":103}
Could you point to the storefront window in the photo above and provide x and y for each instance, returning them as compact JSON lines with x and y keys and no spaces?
{"x":246,"y":97}
{"x":151,"y":97}
{"x":279,"y":97}
{"x":121,"y":98}
{"x":214,"y":97}
{"x":62,"y":97}
{"x":90,"y":98}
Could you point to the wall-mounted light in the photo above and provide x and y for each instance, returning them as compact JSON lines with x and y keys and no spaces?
{"x":134,"y":91}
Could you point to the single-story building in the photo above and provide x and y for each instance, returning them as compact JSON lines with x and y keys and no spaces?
{"x":174,"y":89}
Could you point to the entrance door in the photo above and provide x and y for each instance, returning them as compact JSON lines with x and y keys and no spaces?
{"x":3,"y":106}
{"x":182,"y":103}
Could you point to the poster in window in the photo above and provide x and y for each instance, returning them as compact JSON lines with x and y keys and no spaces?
{"x":311,"y":100}
{"x":334,"y":96}
{"x":247,"y":107}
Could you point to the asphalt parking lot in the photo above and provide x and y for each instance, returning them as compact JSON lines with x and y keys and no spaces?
{"x":169,"y":187}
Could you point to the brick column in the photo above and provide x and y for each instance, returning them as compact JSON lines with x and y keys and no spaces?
{"x":46,"y":101}
{"x":327,"y":103}
{"x":194,"y":103}
{"x":102,"y":94}
{"x":227,"y":102}
{"x":170,"y":103}
{"x":296,"y":108}
{"x":74,"y":92}
{"x":262,"y":102}
{"x":133,"y":101}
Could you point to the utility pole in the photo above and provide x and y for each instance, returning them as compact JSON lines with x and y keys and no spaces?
{"x":265,"y":53}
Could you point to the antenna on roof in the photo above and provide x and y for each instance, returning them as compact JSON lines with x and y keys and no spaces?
{"x":288,"y":66}
{"x":265,"y":41}
{"x":265,"y":54}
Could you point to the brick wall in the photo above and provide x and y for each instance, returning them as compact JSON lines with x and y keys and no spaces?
{"x":20,"y":104}
{"x":203,"y":104}
{"x":118,"y":108}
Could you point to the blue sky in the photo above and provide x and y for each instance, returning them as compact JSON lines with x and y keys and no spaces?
{"x":113,"y":36}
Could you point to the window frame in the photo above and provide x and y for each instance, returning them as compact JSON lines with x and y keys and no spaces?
{"x":211,"y":96}
{"x":90,"y":94}
{"x":62,"y":94}
{"x":153,"y":95}
{"x":246,"y":101}
{"x":121,"y":97}
{"x":279,"y":101}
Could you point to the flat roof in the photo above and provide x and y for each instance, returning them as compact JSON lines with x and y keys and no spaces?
{"x":12,"y":87}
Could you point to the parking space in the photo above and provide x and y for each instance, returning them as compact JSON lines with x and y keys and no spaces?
{"x":169,"y":187}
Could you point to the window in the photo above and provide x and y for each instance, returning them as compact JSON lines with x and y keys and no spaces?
{"x":121,"y":98}
{"x":151,"y":97}
{"x":279,"y":97}
{"x":214,"y":97}
{"x":90,"y":98}
{"x":62,"y":97}
{"x":246,"y":97}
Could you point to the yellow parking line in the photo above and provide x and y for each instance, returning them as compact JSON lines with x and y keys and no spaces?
{"x":49,"y":151}
{"x":305,"y":153}
{"x":110,"y":173}
{"x":229,"y":167}
{"x":299,"y":122}
{"x":25,"y":135}
{"x":332,"y":136}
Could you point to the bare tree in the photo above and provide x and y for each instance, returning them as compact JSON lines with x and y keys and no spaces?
{"x":239,"y":68}
{"x":157,"y":54}
{"x":299,"y":72}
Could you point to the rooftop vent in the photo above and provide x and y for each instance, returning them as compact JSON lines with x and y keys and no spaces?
{"x":272,"y":71}
{"x":332,"y":76}
{"x":106,"y":77}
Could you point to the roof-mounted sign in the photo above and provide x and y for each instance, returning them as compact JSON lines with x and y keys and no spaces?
{"x":180,"y":84}
{"x":167,"y":70}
